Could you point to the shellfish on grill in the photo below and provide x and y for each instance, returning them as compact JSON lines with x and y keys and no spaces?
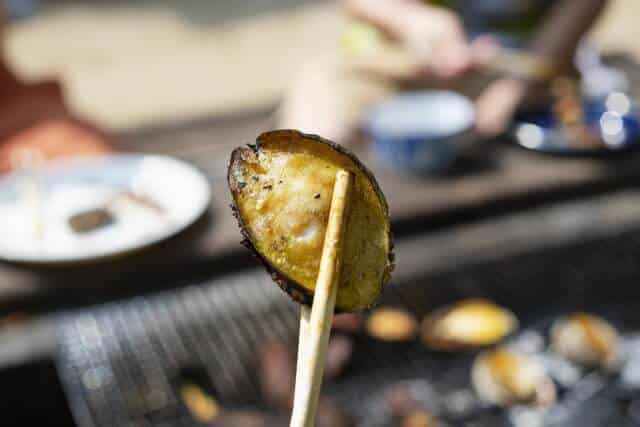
{"x":504,"y":377}
{"x":392,"y":324}
{"x":587,"y":340}
{"x":281,"y":189}
{"x":468,"y":324}
{"x":202,"y":406}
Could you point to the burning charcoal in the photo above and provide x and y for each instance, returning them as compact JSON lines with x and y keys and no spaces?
{"x":339,"y":353}
{"x":587,"y":340}
{"x":418,"y":418}
{"x":243,"y":419}
{"x":466,"y":325}
{"x":87,"y":221}
{"x":202,"y":406}
{"x":277,"y":372}
{"x":392,"y":324}
{"x":504,"y":377}
{"x":348,"y":322}
{"x":330,"y":415}
{"x":400,"y":400}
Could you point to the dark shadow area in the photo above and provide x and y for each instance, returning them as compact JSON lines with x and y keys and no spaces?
{"x":33,"y":396}
{"x":499,"y":207}
{"x":471,"y":163}
{"x":590,"y":275}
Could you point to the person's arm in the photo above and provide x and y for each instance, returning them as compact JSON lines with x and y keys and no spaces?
{"x":391,"y":16}
{"x":563,"y":29}
{"x":555,"y":42}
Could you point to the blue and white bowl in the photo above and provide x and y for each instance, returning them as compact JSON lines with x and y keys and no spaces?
{"x":614,"y":123}
{"x":418,"y":132}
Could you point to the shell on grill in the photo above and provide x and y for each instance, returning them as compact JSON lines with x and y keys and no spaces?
{"x":587,"y":340}
{"x":281,"y":190}
{"x":468,"y":324}
{"x":202,"y":406}
{"x":392,"y":324}
{"x":504,"y":377}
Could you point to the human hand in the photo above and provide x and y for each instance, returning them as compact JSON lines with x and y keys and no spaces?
{"x":438,"y":39}
{"x":496,"y":105}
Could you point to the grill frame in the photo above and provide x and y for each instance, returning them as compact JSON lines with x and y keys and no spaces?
{"x":589,"y":260}
{"x":215,"y":327}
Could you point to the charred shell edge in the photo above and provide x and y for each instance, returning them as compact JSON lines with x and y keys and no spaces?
{"x":296,"y":291}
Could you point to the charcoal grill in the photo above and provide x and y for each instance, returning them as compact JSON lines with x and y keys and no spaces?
{"x":120,"y":363}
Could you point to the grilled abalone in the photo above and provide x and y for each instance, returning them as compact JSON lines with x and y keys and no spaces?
{"x":469,"y":324}
{"x":504,"y":377}
{"x":281,"y":190}
{"x":392,"y":324}
{"x":587,"y":340}
{"x":202,"y":406}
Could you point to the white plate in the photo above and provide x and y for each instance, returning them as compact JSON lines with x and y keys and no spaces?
{"x":35,"y":207}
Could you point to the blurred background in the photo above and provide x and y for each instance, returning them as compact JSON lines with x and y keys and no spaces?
{"x":126,"y":298}
{"x":102,"y":52}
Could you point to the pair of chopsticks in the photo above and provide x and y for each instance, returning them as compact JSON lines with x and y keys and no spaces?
{"x":315,"y":321}
{"x":400,"y":63}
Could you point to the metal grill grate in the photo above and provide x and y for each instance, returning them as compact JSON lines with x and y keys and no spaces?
{"x":119,"y":362}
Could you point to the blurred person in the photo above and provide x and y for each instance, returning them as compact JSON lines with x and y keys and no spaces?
{"x":35,"y":121}
{"x":452,"y":40}
{"x":9,"y":84}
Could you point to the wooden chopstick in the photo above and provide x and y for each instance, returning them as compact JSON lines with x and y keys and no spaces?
{"x":315,"y":323}
{"x":305,"y":319}
{"x":399,"y":63}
